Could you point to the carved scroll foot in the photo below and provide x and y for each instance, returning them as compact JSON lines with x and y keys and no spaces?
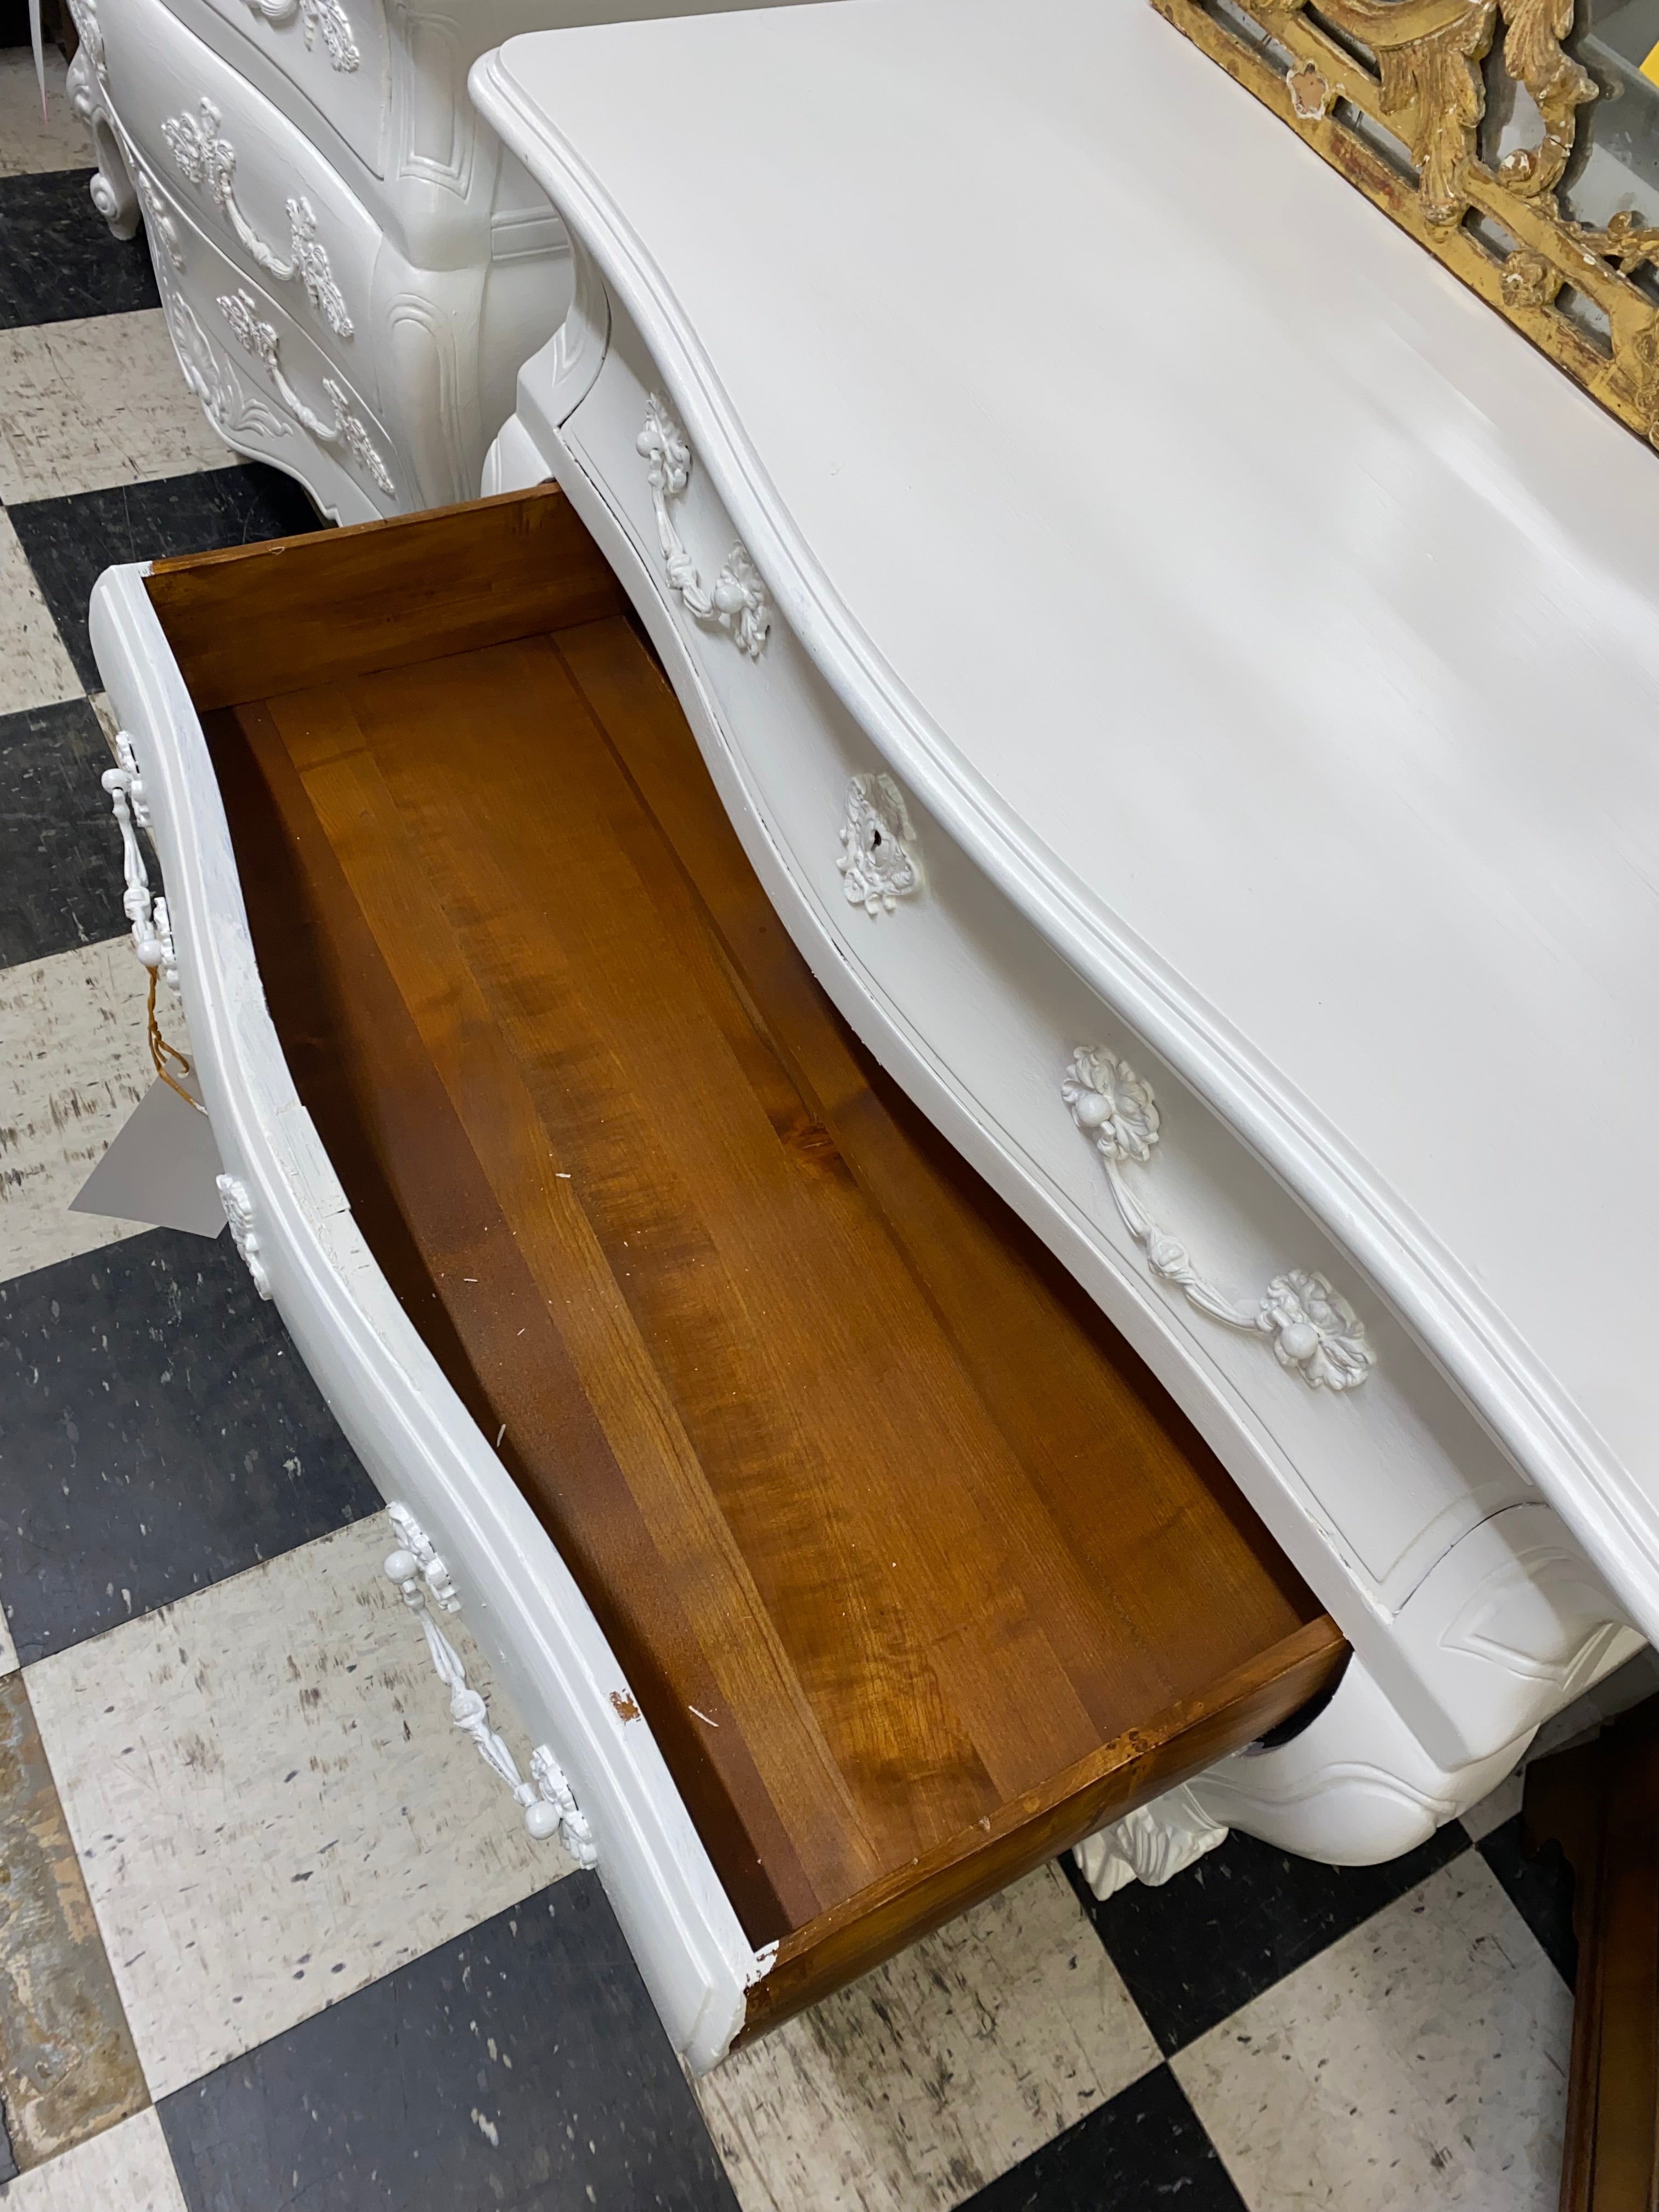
{"x":1150,"y":1846}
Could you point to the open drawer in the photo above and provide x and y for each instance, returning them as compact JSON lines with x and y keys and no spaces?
{"x":841,"y":1560}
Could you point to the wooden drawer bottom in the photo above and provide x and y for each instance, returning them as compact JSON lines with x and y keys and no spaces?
{"x":917,"y":1574}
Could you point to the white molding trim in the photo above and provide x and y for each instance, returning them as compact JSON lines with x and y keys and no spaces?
{"x":1316,"y":1333}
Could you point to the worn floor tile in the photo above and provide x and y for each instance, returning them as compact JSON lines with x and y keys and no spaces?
{"x":271,"y":1802}
{"x":73,"y":1065}
{"x":35,"y":669}
{"x":1143,"y":2150}
{"x":57,"y":258}
{"x":128,"y":2169}
{"x":67,"y":2069}
{"x":937,"y":2072}
{"x":1540,"y":1887}
{"x":87,"y":405}
{"x":1498,"y":1806}
{"x":100,"y":706}
{"x":71,"y":541}
{"x":520,"y":2067}
{"x":1420,"y":2062}
{"x":1229,"y":1927}
{"x":157,"y":1433}
{"x":29,"y":141}
{"x":60,"y":853}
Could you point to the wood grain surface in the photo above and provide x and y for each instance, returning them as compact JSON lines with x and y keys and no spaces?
{"x":1600,"y":1802}
{"x":917,"y":1573}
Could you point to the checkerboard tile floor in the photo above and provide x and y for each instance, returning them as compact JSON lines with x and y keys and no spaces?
{"x":267,"y":1939}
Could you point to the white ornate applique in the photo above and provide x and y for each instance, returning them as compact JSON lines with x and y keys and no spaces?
{"x":237,"y":1202}
{"x":147,"y":914}
{"x":1314,"y":1332}
{"x":548,"y":1802}
{"x":234,"y":411}
{"x":204,"y":156}
{"x":258,"y":339}
{"x":327,"y":16}
{"x":738,"y":603}
{"x":878,"y":863}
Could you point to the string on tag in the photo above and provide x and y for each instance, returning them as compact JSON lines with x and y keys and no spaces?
{"x":161,"y":1052}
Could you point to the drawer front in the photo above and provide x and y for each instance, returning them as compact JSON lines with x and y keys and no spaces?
{"x":1185,"y":1227}
{"x":335,"y":54}
{"x":247,"y":178}
{"x":267,"y":383}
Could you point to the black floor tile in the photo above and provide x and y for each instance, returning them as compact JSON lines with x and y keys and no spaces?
{"x":1144,"y":2150}
{"x":57,"y":258}
{"x":70,"y":542}
{"x":60,"y":851}
{"x":1194,"y":1951}
{"x":157,"y":1432}
{"x":1541,"y":1890}
{"x":520,"y":2067}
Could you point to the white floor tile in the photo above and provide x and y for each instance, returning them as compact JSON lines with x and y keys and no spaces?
{"x":101,"y":401}
{"x":128,"y":2166}
{"x":73,"y":1065}
{"x":35,"y":669}
{"x":29,"y":143}
{"x":937,"y":2073}
{"x":1419,"y":2062}
{"x":270,"y":1802}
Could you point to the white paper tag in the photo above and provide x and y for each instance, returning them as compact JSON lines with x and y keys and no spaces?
{"x":161,"y":1169}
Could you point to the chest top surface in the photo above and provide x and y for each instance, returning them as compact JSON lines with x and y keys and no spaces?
{"x":1276,"y":627}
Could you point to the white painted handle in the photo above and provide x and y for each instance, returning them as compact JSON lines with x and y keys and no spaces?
{"x":1314,"y":1332}
{"x":738,"y":603}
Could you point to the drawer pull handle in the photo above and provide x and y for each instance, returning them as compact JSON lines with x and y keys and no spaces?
{"x":326,"y":16}
{"x":1314,"y":1332}
{"x":237,"y":1202}
{"x":204,"y":156}
{"x":738,"y":603}
{"x":878,"y":864}
{"x":147,"y":916}
{"x":259,"y":340}
{"x":547,"y":1800}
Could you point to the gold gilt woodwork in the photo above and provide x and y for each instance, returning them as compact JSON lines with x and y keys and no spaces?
{"x":1415,"y":70}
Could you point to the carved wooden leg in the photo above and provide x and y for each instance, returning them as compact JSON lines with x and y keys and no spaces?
{"x":1601,"y":1803}
{"x":113,"y":193}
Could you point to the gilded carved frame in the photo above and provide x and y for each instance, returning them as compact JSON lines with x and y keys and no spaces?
{"x":1423,"y":86}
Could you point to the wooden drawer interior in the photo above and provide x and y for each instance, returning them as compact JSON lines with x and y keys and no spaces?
{"x":917,"y":1574}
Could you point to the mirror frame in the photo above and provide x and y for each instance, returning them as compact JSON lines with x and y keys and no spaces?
{"x":1392,"y":93}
